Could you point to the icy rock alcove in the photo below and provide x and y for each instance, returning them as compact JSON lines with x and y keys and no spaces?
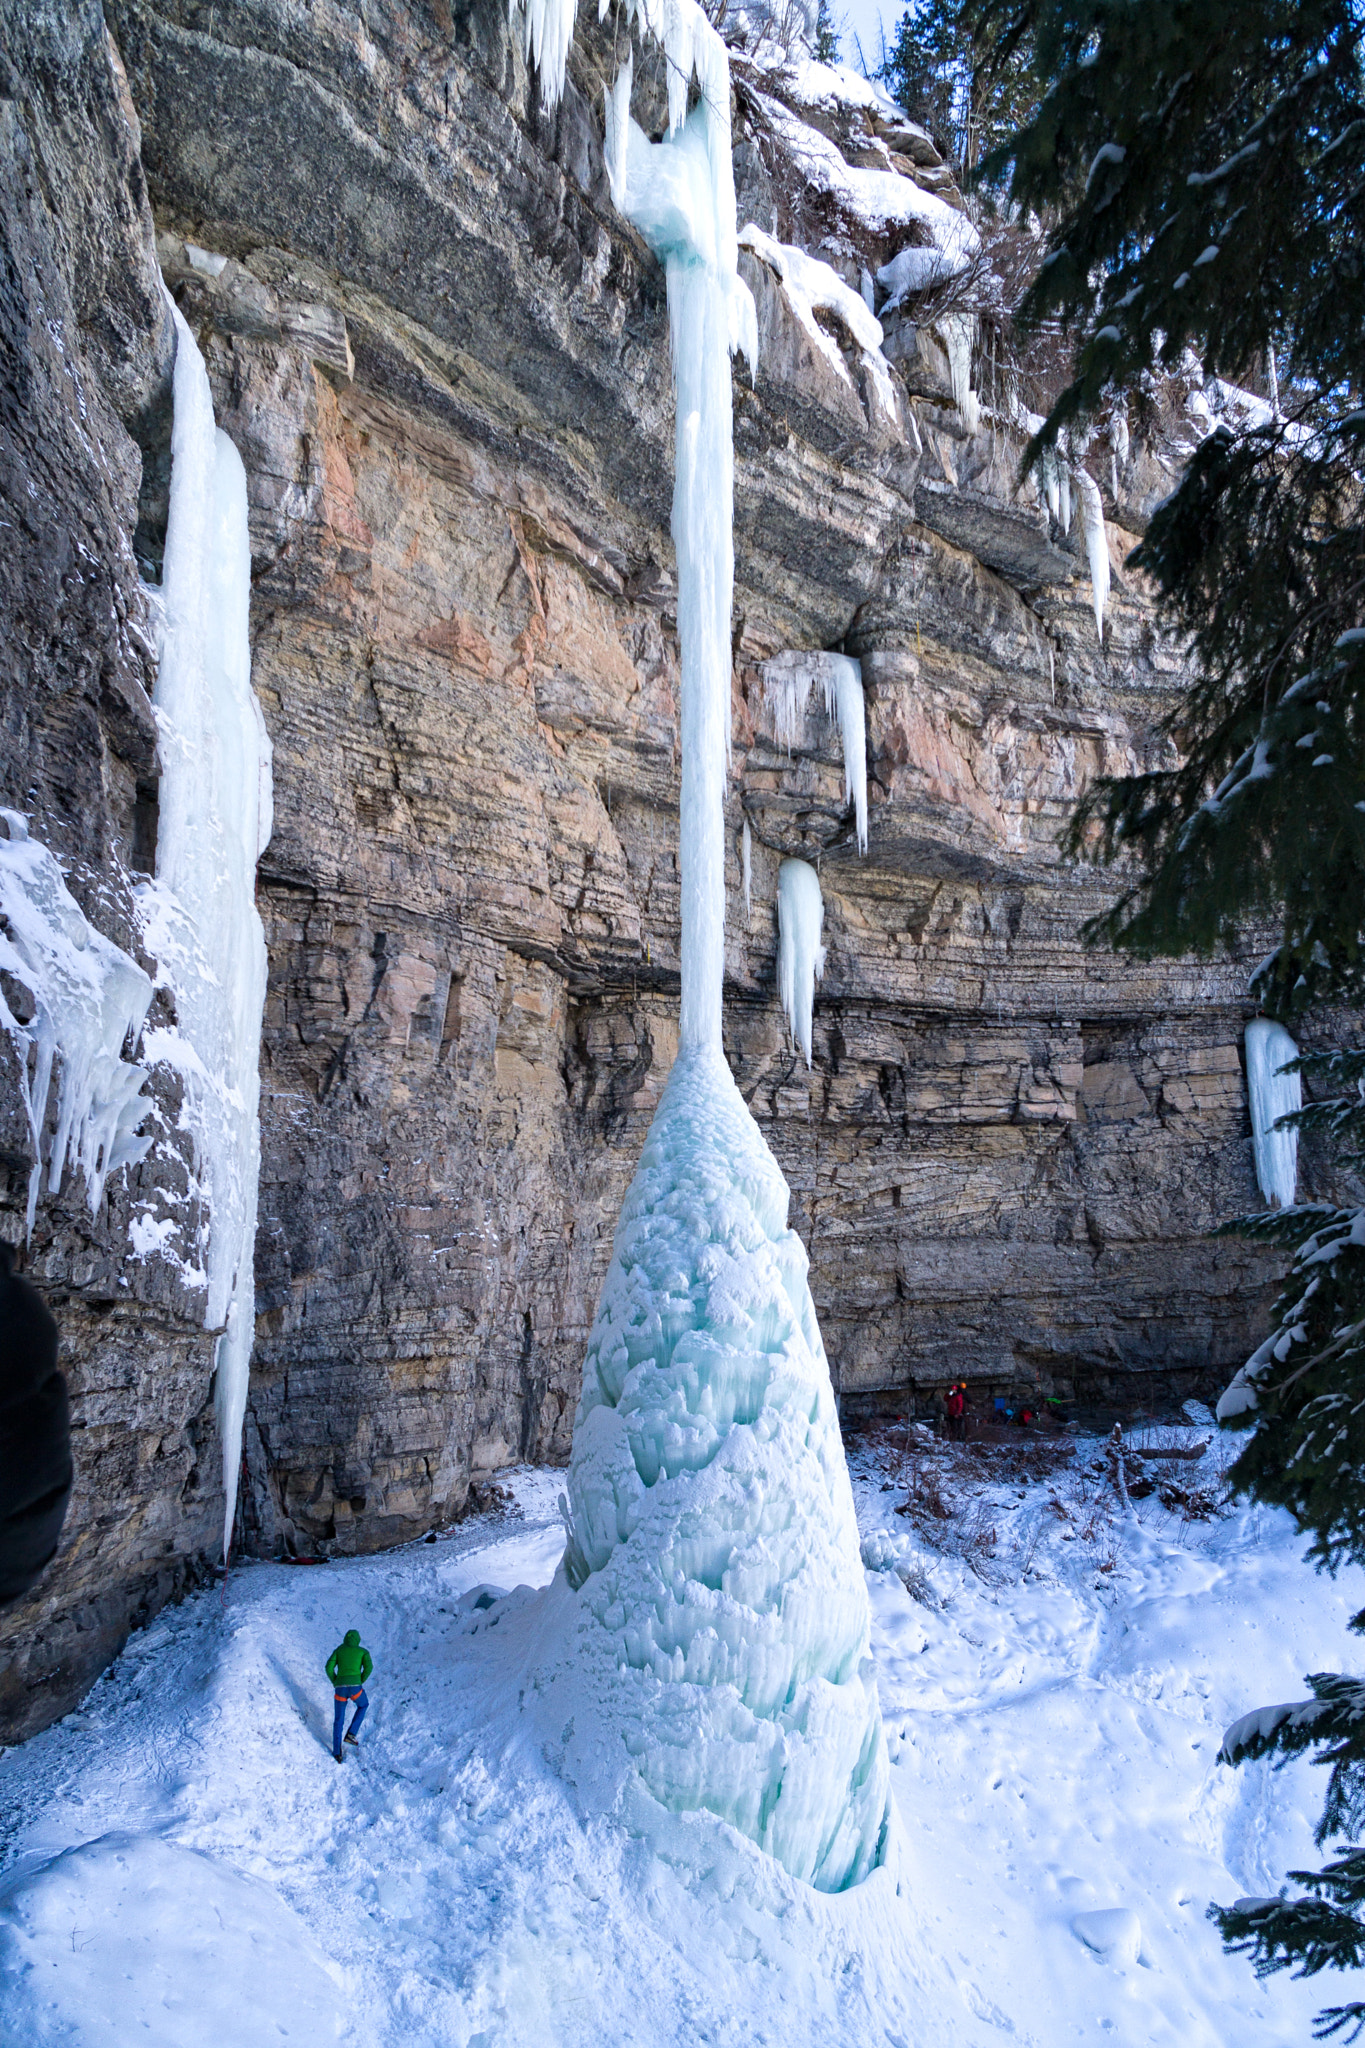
{"x":706,"y":1641}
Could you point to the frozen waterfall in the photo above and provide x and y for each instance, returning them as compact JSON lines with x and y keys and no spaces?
{"x":1273,"y":1095}
{"x":214,"y":821}
{"x":800,"y":955}
{"x":721,"y":1618}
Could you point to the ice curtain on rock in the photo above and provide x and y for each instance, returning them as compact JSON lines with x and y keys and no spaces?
{"x":199,"y":916}
{"x":721,"y":1606}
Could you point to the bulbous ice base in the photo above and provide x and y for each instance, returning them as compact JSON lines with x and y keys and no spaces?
{"x":712,"y":1539}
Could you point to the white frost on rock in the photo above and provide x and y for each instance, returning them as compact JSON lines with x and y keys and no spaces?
{"x":199,"y":917}
{"x":800,"y":955}
{"x":813,"y":84}
{"x":89,"y":1000}
{"x":1096,"y":544}
{"x":711,"y":1521}
{"x":1273,"y":1095}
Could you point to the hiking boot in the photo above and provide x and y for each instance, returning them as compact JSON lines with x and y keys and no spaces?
{"x":354,"y":1740}
{"x":337,"y":1757}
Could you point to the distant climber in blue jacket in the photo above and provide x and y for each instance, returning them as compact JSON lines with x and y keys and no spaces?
{"x":349,"y":1665}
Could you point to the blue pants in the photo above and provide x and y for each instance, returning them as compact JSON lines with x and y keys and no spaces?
{"x":343,"y":1700}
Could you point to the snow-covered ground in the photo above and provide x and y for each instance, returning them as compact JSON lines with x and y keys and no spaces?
{"x":183,"y":1863}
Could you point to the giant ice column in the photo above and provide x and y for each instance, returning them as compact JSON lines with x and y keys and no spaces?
{"x":711,"y":1527}
{"x":1273,"y":1095}
{"x":214,"y":821}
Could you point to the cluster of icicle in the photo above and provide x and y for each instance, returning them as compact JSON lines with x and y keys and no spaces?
{"x":712,"y":1540}
{"x":959,"y":339}
{"x":87,"y":1001}
{"x":787,"y":682}
{"x":214,"y":819}
{"x":1057,"y":476}
{"x":199,"y":919}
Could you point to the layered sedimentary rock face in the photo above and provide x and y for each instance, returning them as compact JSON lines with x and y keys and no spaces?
{"x":442,"y":355}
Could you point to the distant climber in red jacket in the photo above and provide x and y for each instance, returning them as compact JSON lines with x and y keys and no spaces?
{"x":349,"y":1665}
{"x":956,"y":1409}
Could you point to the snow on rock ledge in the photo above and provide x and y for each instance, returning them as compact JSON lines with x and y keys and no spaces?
{"x":811,"y":287}
{"x":711,"y":1520}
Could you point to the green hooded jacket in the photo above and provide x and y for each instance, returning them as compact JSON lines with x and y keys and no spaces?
{"x":350,"y":1663}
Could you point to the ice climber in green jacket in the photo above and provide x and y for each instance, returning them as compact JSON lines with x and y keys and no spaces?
{"x":349,"y":1665}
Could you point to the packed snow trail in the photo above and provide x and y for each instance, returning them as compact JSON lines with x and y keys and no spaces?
{"x":1054,"y":1728}
{"x":214,"y":820}
{"x":713,"y":1586}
